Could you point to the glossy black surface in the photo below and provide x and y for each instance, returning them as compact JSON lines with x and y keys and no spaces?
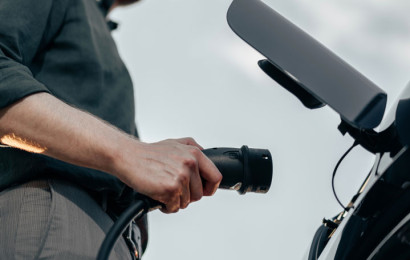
{"x":247,"y":169}
{"x":307,"y":99}
{"x":308,"y":63}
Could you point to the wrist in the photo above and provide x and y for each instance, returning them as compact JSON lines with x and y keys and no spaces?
{"x":122,"y":158}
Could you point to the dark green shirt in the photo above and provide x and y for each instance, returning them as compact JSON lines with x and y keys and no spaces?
{"x":63,"y":47}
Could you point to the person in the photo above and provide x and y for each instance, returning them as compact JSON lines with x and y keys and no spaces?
{"x":70,"y":157}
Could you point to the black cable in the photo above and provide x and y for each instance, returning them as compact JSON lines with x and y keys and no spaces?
{"x":334,"y":174}
{"x":134,"y":211}
{"x":141,"y":206}
{"x":259,"y":160}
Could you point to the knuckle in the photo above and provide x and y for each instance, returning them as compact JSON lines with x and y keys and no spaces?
{"x":190,"y":162}
{"x":195,"y":151}
{"x":172,"y":188}
{"x":189,"y":139}
{"x":183,"y":177}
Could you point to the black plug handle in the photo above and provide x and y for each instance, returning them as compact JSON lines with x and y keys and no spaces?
{"x":245,"y":169}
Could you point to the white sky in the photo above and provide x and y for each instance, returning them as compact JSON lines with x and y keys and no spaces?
{"x":194,"y":77}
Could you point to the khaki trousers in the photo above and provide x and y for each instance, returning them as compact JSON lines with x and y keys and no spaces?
{"x":51,"y":219}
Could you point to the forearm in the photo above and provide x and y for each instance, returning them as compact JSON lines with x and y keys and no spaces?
{"x":174,"y":172}
{"x":43,"y":124}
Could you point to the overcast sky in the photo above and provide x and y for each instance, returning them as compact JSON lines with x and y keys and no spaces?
{"x":194,"y":77}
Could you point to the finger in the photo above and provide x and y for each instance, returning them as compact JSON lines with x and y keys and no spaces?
{"x":196,"y":187}
{"x":185,"y":196}
{"x":189,"y":141}
{"x":171,"y":197}
{"x":172,"y":206}
{"x":210,"y":174}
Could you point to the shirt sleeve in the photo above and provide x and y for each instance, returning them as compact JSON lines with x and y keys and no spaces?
{"x":24,"y":28}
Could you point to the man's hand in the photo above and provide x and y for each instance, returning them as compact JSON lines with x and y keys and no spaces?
{"x":174,"y":172}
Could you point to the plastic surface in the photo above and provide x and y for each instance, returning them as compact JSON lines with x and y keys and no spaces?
{"x":308,"y":63}
{"x":319,"y":242}
{"x":307,"y":99}
{"x":403,"y":121}
{"x":244,"y":169}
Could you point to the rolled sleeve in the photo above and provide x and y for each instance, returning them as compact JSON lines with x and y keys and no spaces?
{"x":16,"y":82}
{"x":25,"y":26}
